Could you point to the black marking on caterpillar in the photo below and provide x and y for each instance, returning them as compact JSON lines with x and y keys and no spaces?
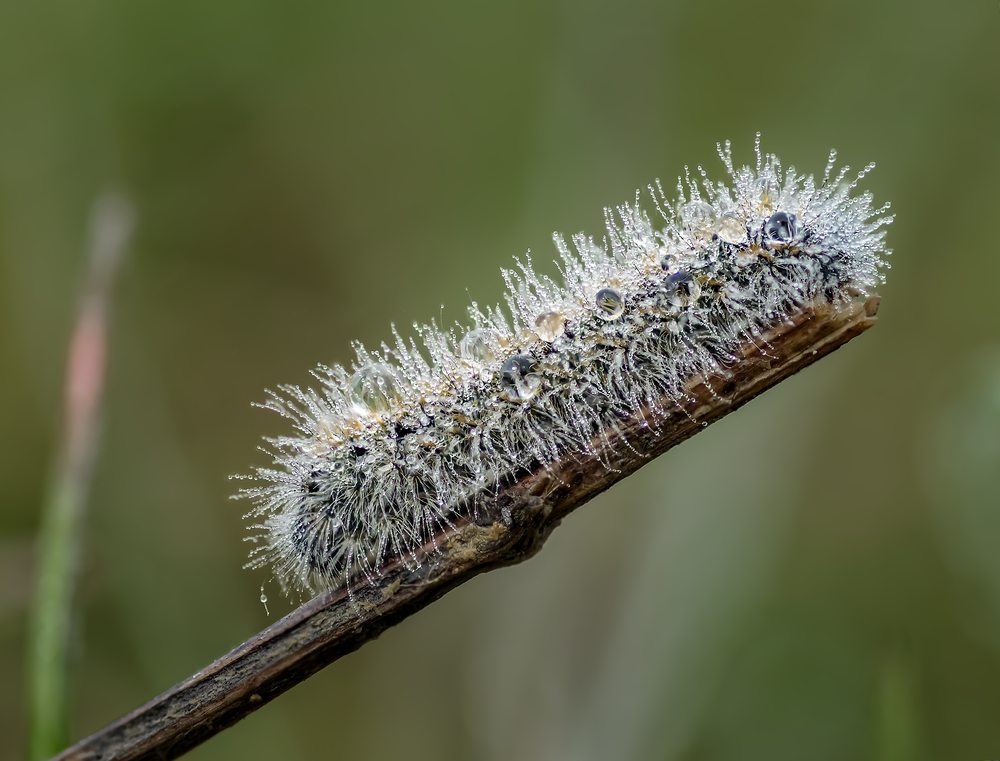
{"x":388,"y":454}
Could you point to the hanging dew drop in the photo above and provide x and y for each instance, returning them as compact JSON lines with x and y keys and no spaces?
{"x":549,"y":326}
{"x":520,"y":378}
{"x":263,"y":600}
{"x":609,"y":304}
{"x":698,"y":219}
{"x":374,"y":388}
{"x":476,"y":346}
{"x":732,"y":229}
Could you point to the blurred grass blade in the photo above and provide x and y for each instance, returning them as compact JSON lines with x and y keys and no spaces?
{"x":111,"y":224}
{"x":897,"y":710}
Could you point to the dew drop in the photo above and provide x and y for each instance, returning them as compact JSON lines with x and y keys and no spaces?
{"x":698,"y":218}
{"x":477,"y":346}
{"x":520,"y":377}
{"x":263,"y":599}
{"x":732,"y":229}
{"x":549,"y":326}
{"x":374,"y":388}
{"x":781,"y":227}
{"x":682,"y":288}
{"x":331,"y":428}
{"x":609,"y":304}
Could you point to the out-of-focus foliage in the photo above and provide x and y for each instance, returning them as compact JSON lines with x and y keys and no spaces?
{"x":813,"y":577}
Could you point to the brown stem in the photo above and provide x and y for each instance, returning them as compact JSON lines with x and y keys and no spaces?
{"x":510,"y":527}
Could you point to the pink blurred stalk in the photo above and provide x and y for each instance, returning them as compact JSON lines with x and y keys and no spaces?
{"x":112,"y":221}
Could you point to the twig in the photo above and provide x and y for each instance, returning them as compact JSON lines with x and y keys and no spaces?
{"x":510,"y":528}
{"x":62,"y":511}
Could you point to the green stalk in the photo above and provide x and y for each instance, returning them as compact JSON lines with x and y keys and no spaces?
{"x":50,"y":635}
{"x":50,"y":632}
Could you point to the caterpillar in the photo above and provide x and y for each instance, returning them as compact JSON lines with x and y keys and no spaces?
{"x":390,"y":452}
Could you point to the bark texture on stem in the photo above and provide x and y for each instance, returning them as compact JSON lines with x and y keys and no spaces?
{"x":510,"y":527}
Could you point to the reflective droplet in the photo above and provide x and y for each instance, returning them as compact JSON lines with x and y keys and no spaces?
{"x":732,"y":228}
{"x":609,"y":304}
{"x":477,"y":345}
{"x":549,"y":326}
{"x":520,"y":377}
{"x":681,"y":288}
{"x":374,"y":388}
{"x":698,"y":218}
{"x":767,"y":191}
{"x":781,"y":227}
{"x":263,"y":599}
{"x":331,"y":428}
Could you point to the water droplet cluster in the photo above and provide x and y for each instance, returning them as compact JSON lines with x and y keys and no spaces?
{"x":387,"y":454}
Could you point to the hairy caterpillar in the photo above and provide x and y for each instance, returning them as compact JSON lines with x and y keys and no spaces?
{"x":391,"y":452}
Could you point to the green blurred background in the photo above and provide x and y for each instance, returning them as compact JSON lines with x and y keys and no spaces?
{"x":818,"y":576}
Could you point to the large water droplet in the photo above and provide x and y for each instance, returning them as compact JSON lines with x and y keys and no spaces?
{"x":609,"y":304}
{"x":374,"y":388}
{"x":682,"y":288}
{"x":698,"y":218}
{"x":781,"y":227}
{"x":477,"y":345}
{"x":331,"y":428}
{"x":549,"y":326}
{"x":520,"y":377}
{"x":732,"y":229}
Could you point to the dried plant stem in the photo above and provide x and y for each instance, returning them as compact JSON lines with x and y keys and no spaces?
{"x":511,"y":526}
